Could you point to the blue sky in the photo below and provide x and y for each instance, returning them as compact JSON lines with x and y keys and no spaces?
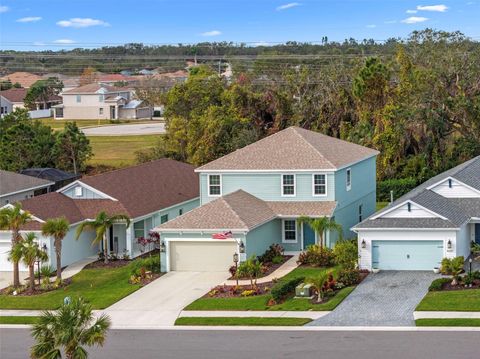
{"x":39,"y":24}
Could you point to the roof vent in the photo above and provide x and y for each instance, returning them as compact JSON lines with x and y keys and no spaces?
{"x":450,"y":183}
{"x":409,"y":206}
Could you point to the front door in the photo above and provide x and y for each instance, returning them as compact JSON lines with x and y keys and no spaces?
{"x":308,"y":236}
{"x":112,"y":113}
{"x":477,"y":233}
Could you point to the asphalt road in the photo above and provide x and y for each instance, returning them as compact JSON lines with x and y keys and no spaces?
{"x":199,"y":344}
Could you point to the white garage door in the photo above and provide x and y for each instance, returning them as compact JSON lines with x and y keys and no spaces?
{"x":201,"y":256}
{"x":5,"y":264}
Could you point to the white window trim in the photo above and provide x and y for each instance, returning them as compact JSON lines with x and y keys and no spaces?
{"x":313,"y":185}
{"x":294,"y":185}
{"x":78,"y":191}
{"x":348,"y":185}
{"x":283,"y":231}
{"x":208,"y":187}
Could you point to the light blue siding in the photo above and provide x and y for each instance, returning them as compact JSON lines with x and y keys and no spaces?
{"x":406,"y":255}
{"x":86,"y":193}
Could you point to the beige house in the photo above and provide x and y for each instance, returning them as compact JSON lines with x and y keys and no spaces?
{"x":95,"y":101}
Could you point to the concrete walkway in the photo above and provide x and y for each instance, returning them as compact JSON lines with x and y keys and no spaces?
{"x":253,"y":313}
{"x":76,"y":267}
{"x":281,"y":271}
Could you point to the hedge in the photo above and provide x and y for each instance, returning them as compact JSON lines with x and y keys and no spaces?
{"x":282,"y":289}
{"x":398,"y":186}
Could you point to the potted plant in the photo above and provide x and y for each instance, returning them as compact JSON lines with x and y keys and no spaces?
{"x":436,"y":270}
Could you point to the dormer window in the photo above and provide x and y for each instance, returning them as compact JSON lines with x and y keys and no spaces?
{"x":78,"y":191}
{"x":288,"y":185}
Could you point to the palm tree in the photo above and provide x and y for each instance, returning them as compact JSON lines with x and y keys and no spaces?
{"x":320,"y":225}
{"x":28,"y":250}
{"x":100,"y":225}
{"x":318,"y":283}
{"x":58,"y":229}
{"x":12,"y":218}
{"x":69,"y":329}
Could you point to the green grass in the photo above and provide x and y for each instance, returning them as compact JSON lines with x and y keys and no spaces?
{"x":381,"y":205}
{"x":250,"y":321}
{"x":454,"y":300}
{"x":58,"y":125}
{"x":461,"y":322}
{"x":260,"y":302}
{"x":18,"y":320}
{"x":119,"y":151}
{"x":101,"y":287}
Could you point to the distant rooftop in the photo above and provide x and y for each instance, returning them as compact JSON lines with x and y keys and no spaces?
{"x":11,"y":182}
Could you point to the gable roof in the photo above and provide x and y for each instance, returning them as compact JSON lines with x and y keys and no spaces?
{"x":242,"y":211}
{"x":292,"y":149}
{"x":11,"y":182}
{"x":150,"y":186}
{"x":93,"y":88}
{"x":14,"y":94}
{"x":456,"y":210}
{"x":25,"y":79}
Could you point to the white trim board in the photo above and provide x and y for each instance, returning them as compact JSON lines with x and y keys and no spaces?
{"x":381,"y":214}
{"x":79,"y":182}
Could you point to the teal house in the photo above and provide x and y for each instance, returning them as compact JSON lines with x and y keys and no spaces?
{"x":256,"y":194}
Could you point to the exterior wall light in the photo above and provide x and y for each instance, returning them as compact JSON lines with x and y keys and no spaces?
{"x":364,"y":244}
{"x":241,"y":247}
{"x":449,"y":244}
{"x":162,"y":247}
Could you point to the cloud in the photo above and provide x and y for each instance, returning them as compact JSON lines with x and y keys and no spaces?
{"x":4,"y":8}
{"x":64,"y":41}
{"x":437,"y":8}
{"x":29,"y":19}
{"x":211,"y":33}
{"x":411,"y":11}
{"x":414,"y":19}
{"x":371,"y":26}
{"x":78,"y":22}
{"x":288,"y":6}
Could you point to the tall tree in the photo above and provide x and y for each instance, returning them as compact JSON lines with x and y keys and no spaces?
{"x":88,"y":76}
{"x":13,"y":218}
{"x":58,"y":229}
{"x":101,"y":224}
{"x":42,"y":91}
{"x":72,"y":148}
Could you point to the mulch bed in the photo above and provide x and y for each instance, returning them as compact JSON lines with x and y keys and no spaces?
{"x":270,"y":268}
{"x":227,"y":291}
{"x":27,"y":292}
{"x":119,"y":262}
{"x":448,"y":286}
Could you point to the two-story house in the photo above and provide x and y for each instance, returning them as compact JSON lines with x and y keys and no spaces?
{"x":149,"y":194}
{"x":438,"y":219}
{"x":96,"y":101}
{"x":256,"y":194}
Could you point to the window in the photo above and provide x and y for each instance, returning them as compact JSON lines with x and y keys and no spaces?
{"x":100,"y":111}
{"x":180,"y":211}
{"x":78,"y":191}
{"x":288,"y":185}
{"x":214,"y":185}
{"x":289,"y":231}
{"x":349,"y":179}
{"x":360,"y":216}
{"x":139,"y":229}
{"x":164,"y":218}
{"x":319,"y":185}
{"x":79,"y":98}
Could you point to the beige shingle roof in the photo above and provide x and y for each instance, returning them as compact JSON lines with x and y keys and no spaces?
{"x":240,"y":210}
{"x":292,"y":149}
{"x":11,"y":182}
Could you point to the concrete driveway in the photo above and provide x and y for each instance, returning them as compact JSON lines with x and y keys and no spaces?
{"x":387,"y":298}
{"x":126,"y":130}
{"x":160,"y":302}
{"x":6,"y":278}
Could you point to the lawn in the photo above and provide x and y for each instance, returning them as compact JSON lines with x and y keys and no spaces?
{"x":463,"y":322}
{"x":101,"y":287}
{"x":58,"y":125}
{"x":453,"y":300}
{"x":18,"y":320}
{"x":119,"y":151}
{"x":260,"y":302}
{"x":249,"y":321}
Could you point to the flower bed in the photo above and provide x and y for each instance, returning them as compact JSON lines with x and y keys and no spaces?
{"x":232,"y":291}
{"x":24,"y":290}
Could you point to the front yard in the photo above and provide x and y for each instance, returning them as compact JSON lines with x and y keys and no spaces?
{"x":467,"y":300}
{"x":464,"y":322}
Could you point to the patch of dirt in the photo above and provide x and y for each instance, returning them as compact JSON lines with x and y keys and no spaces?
{"x":448,"y":286}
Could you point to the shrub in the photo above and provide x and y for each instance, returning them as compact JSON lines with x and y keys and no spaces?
{"x":346,"y":253}
{"x":317,"y":256}
{"x":452,"y":266}
{"x":251,"y":269}
{"x":437,"y":284}
{"x":139,"y":266}
{"x":46,"y":271}
{"x":348,"y":276}
{"x":277,"y":259}
{"x":232,"y":270}
{"x":275,"y":250}
{"x":248,"y":293}
{"x":476,"y":275}
{"x":283,"y":288}
{"x":398,"y":186}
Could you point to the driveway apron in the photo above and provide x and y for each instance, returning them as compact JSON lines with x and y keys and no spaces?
{"x":387,"y":298}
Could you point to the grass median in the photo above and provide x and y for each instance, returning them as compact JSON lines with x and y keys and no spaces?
{"x":18,"y":320}
{"x":461,"y":322}
{"x":244,"y":321}
{"x":467,"y":300}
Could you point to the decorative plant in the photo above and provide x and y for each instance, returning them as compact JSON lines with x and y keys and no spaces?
{"x":317,"y":256}
{"x":346,"y":253}
{"x":454,"y":267}
{"x":318,"y":284}
{"x":58,"y":229}
{"x":29,"y":251}
{"x":251,"y":269}
{"x":321,"y":225}
{"x":275,"y":250}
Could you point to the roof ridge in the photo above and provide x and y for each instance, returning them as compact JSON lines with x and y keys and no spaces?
{"x":231,"y":209}
{"x":294,"y":128}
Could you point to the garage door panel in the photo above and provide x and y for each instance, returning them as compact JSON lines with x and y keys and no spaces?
{"x":5,"y":264}
{"x":198,"y":256}
{"x":406,"y":255}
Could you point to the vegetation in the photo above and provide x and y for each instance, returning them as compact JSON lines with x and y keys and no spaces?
{"x":68,"y":331}
{"x":451,"y":300}
{"x":247,"y":321}
{"x":251,"y":269}
{"x":321,"y":225}
{"x":73,"y":148}
{"x":58,"y":229}
{"x":101,"y":224}
{"x":286,"y":287}
{"x":18,"y":320}
{"x":453,"y":266}
{"x":438,"y":284}
{"x":346,"y":253}
{"x":12,"y":218}
{"x":460,"y":322}
{"x":318,"y":285}
{"x":316,"y":256}
{"x":42,"y":91}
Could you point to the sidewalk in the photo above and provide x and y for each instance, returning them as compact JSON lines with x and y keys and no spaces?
{"x":446,"y":315}
{"x":281,"y":271}
{"x":253,"y":313}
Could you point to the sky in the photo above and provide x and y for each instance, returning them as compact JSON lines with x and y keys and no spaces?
{"x":55,"y":24}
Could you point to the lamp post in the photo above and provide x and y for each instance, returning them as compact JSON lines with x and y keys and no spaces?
{"x":470,"y":260}
{"x":235,"y":260}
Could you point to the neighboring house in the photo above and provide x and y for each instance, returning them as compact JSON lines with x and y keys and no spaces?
{"x":15,"y":187}
{"x":95,"y":101}
{"x":437,"y":219}
{"x":69,"y":82}
{"x":58,"y":177}
{"x":14,"y":98}
{"x":150,"y":194}
{"x":111,"y":79}
{"x":259,"y":192}
{"x":25,"y":79}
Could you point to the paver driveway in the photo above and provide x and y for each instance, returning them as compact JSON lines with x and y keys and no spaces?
{"x":160,"y":302}
{"x":387,"y":298}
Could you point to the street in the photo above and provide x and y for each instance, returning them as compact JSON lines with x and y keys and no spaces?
{"x":229,"y":344}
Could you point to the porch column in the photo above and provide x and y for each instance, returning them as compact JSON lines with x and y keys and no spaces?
{"x":128,"y":241}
